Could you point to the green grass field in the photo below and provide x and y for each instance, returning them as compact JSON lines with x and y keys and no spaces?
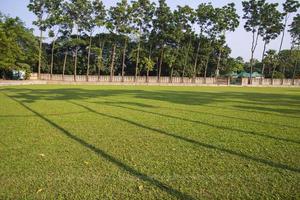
{"x":114,"y":142}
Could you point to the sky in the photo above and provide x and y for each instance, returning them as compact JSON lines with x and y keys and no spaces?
{"x":239,"y":41}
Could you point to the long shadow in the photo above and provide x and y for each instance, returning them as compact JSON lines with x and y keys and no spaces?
{"x":162,"y":186}
{"x":207,"y":124}
{"x":22,"y":116}
{"x":266,"y":109}
{"x":185,"y":97}
{"x":236,"y":118}
{"x":253,"y":110}
{"x":201,"y":144}
{"x":197,"y":112}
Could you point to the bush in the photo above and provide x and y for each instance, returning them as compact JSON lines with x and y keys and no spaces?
{"x":8,"y":72}
{"x":26,"y":68}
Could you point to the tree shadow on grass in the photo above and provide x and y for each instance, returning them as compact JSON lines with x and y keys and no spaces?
{"x":203,"y":123}
{"x":144,"y":177}
{"x":241,"y":101}
{"x":268,"y":110}
{"x":193,"y":111}
{"x":194,"y":142}
{"x":196,"y":97}
{"x":58,"y":114}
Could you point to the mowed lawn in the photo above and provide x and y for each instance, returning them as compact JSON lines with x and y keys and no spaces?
{"x":122,"y":142}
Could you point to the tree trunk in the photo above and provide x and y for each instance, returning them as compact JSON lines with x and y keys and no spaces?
{"x":112,"y":63}
{"x":205,"y":70}
{"x":219,"y":60}
{"x":123,"y":59}
{"x":75,"y":61}
{"x":171,"y":75}
{"x":89,"y":55}
{"x":100,"y":59}
{"x":294,"y":72}
{"x":150,"y":54}
{"x":283,"y":33}
{"x":40,"y":55}
{"x":183,"y":74}
{"x":99,"y":62}
{"x":263,"y":64}
{"x":197,"y":55}
{"x":147,"y":76}
{"x":137,"y":61}
{"x":99,"y":73}
{"x":262,"y":59}
{"x":160,"y":64}
{"x":254,"y":45}
{"x":52,"y":59}
{"x":185,"y":60}
{"x":273,"y":71}
{"x":281,"y":42}
{"x":64,"y":65}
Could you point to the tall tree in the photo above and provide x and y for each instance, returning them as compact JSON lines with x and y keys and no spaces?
{"x":149,"y":64}
{"x":271,"y":26}
{"x":161,"y":27}
{"x":118,"y":23}
{"x":205,"y":21}
{"x":95,"y":15}
{"x":252,"y":14}
{"x":78,"y":11}
{"x":39,"y":8}
{"x":100,"y":22}
{"x":142,"y":13}
{"x":184,"y":18}
{"x":225,"y":19}
{"x":66,"y":28}
{"x":295,"y":33}
{"x":289,"y":7}
{"x":54,"y":22}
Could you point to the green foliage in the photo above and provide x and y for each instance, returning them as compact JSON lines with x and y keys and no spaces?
{"x":25,"y":67}
{"x":226,"y":18}
{"x":295,"y":30}
{"x":278,"y":75}
{"x":119,"y":18}
{"x":290,"y":6}
{"x":205,"y":13}
{"x":252,"y":14}
{"x":234,"y":65}
{"x":271,"y":25}
{"x":17,"y":44}
{"x":142,"y":12}
{"x":162,"y":23}
{"x":39,"y":8}
{"x":148,"y":63}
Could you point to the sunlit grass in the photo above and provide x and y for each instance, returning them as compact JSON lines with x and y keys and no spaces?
{"x":89,"y":142}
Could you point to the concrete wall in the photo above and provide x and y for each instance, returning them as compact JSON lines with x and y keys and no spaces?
{"x":130,"y":79}
{"x":164,"y":80}
{"x":270,"y":82}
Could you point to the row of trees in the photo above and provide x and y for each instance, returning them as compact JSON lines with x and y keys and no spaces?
{"x":266,"y":21}
{"x":143,"y":38}
{"x":18,"y":47}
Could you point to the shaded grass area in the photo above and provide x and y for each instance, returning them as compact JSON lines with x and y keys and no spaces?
{"x":149,"y":142}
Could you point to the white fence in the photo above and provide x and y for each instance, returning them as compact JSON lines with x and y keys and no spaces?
{"x":165,"y":80}
{"x":128,"y":79}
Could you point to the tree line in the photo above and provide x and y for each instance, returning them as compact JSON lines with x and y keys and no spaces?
{"x":143,"y":38}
